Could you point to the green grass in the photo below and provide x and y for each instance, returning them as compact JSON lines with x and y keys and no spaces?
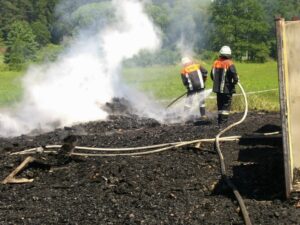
{"x":10,"y":87}
{"x":161,"y":82}
{"x":164,"y":82}
{"x":258,"y":77}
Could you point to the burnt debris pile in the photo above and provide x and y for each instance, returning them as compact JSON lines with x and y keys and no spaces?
{"x":179,"y":186}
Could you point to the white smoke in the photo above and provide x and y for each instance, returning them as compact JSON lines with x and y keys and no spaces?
{"x":74,"y":88}
{"x":187,"y":108}
{"x":186,"y":26}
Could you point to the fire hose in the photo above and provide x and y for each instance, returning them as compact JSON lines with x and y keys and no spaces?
{"x":221,"y":157}
{"x":167,"y":146}
{"x":147,"y":149}
{"x":176,"y":99}
{"x":222,"y":162}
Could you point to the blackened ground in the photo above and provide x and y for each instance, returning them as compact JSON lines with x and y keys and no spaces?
{"x":174,"y":187}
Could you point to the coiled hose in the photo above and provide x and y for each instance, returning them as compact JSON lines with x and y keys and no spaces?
{"x":222,"y":162}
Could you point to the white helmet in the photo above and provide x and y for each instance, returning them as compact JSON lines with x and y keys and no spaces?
{"x":186,"y":60}
{"x":225,"y":50}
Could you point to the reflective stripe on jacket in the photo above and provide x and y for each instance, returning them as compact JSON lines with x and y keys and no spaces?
{"x":224,"y":76}
{"x":193,"y":77}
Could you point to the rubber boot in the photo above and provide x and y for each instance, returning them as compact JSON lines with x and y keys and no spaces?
{"x":222,"y":121}
{"x":202,"y":113}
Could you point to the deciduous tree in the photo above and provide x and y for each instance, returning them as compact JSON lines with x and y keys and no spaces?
{"x":241,"y":24}
{"x":41,"y":32}
{"x":21,"y":44}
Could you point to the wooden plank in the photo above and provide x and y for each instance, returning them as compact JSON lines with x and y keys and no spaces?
{"x":282,"y":70}
{"x":11,"y":177}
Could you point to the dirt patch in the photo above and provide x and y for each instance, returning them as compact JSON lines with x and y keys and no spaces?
{"x":174,"y":187}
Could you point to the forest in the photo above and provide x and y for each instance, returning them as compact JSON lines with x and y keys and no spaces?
{"x":31,"y":30}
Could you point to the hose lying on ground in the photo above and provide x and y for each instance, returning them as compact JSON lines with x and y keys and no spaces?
{"x":146,"y":149}
{"x":171,"y":145}
{"x":223,"y":167}
{"x":167,"y":146}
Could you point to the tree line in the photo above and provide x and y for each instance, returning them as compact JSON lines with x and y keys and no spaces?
{"x":28,"y":27}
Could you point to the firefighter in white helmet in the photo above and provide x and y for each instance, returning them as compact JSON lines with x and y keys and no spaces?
{"x":193,"y":77}
{"x":225,"y":77}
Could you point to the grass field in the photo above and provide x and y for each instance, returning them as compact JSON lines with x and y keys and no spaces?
{"x":10,"y":85}
{"x":165,"y":83}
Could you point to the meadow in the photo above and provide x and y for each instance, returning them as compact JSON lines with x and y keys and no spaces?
{"x":163,"y":83}
{"x":10,"y":85}
{"x":260,"y":81}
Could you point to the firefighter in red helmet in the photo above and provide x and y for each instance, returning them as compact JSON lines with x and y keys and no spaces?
{"x":193,"y":77}
{"x":225,"y":77}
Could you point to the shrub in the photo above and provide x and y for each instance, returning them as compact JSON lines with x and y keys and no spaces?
{"x":208,"y":55}
{"x":41,"y":32}
{"x":49,"y":53}
{"x":147,"y":58}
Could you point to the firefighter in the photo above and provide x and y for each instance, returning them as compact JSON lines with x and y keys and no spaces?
{"x":193,"y":77}
{"x":225,"y":77}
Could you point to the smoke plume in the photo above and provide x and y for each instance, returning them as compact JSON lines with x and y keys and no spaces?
{"x":84,"y":78}
{"x":187,"y":19}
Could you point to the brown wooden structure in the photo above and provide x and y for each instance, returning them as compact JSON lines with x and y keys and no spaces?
{"x":288,"y":47}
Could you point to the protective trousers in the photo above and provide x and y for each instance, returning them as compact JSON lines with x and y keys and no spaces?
{"x":224,"y":105}
{"x":191,"y":98}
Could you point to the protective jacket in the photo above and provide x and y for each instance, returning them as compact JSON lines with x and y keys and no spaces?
{"x":194,"y":77}
{"x":224,"y":76}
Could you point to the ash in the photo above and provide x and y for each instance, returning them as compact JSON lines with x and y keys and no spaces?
{"x":179,"y":186}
